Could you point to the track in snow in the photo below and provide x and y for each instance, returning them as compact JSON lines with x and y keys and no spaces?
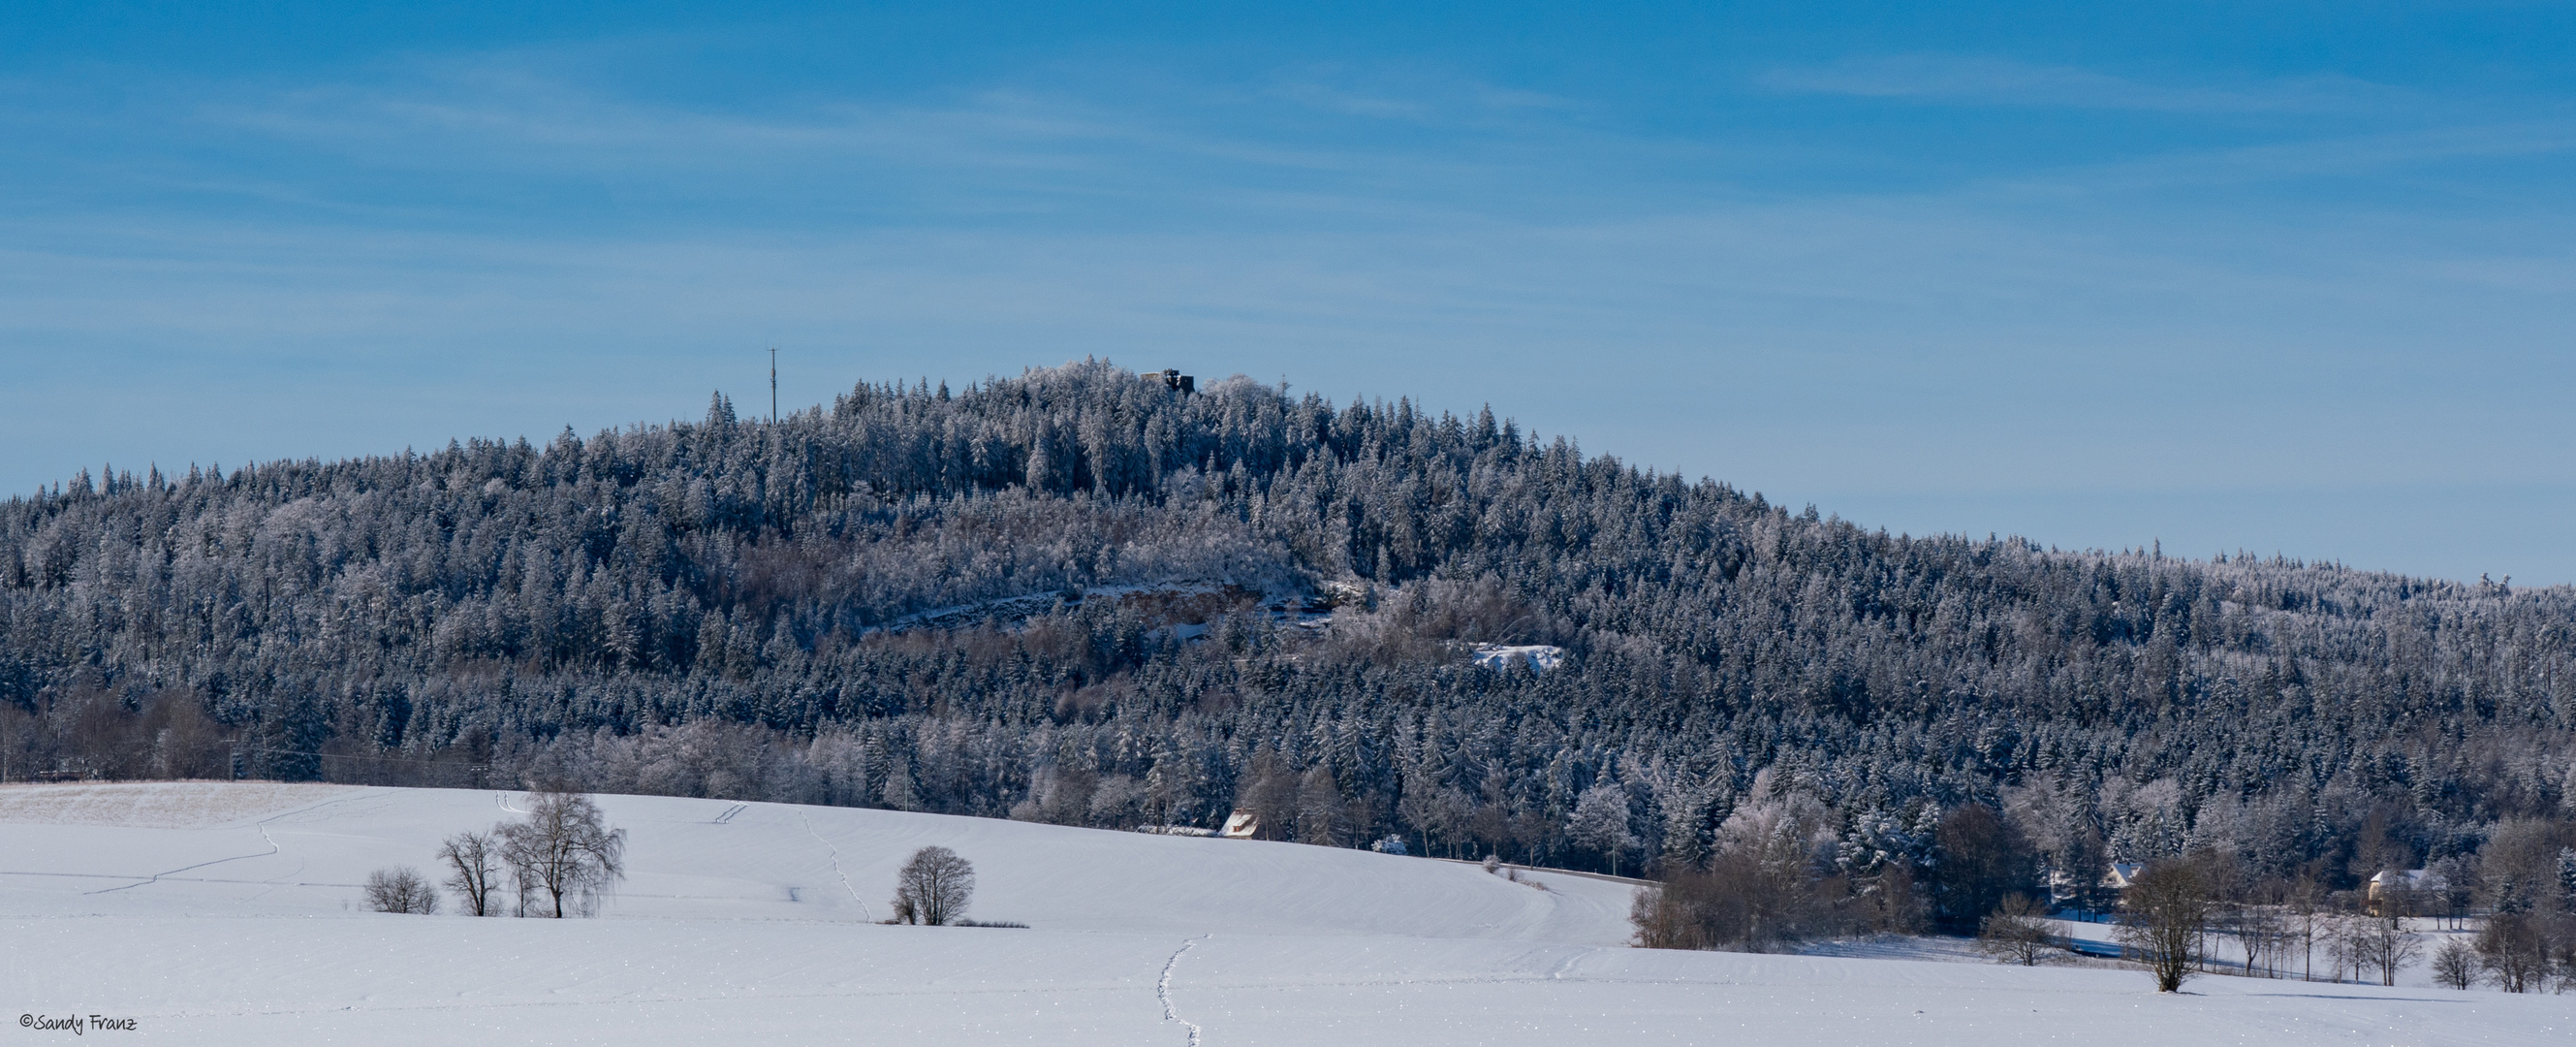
{"x":1163,"y":990}
{"x":836,"y":859}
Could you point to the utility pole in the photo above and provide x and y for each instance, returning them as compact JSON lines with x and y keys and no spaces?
{"x":773,"y":385}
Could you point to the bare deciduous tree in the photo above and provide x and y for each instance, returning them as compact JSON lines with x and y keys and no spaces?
{"x":564,"y":853}
{"x":2385,"y":943}
{"x":473,"y":869}
{"x":933,"y":888}
{"x":2260,"y":931}
{"x":1980,"y":858}
{"x":2456,"y":964}
{"x":2347,"y":944}
{"x":2306,"y":925}
{"x":2515,"y":952}
{"x":2164,"y":914}
{"x":400,"y":890}
{"x":2018,"y":931}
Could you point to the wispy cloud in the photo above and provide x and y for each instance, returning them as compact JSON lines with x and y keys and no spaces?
{"x":1413,"y":98}
{"x":539,"y":116}
{"x":514,"y":99}
{"x":2363,"y":158}
{"x":1968,"y":80}
{"x":1057,"y":145}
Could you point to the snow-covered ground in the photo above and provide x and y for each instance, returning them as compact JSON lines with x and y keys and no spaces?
{"x":225,"y":914}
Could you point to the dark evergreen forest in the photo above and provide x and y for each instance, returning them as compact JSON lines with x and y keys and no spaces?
{"x":1082,"y":596}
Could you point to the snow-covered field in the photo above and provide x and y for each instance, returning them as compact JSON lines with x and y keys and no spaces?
{"x":226,"y":914}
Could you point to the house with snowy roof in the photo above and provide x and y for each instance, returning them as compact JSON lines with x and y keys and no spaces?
{"x":2403,"y":891}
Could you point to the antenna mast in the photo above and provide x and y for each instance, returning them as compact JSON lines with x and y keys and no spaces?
{"x":773,"y":385}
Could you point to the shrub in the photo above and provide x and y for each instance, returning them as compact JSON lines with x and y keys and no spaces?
{"x":2018,"y":932}
{"x":1739,"y":904}
{"x":400,"y":891}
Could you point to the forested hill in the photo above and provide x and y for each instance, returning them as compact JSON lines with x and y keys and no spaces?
{"x":1082,"y":596}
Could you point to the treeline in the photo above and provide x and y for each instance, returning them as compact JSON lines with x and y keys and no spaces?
{"x":1783,"y":871}
{"x":1088,"y":598}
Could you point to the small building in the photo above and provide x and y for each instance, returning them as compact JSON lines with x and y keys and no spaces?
{"x":1241,"y":825}
{"x":1175,"y":381}
{"x":2063,"y":889}
{"x":2403,"y":891}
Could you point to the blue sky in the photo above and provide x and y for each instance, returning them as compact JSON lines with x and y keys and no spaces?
{"x":2278,"y":278}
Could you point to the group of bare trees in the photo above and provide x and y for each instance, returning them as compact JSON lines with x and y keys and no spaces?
{"x":561,"y":861}
{"x":1772,"y":880}
{"x":1745,"y":902}
{"x":2173,"y":911}
{"x":2369,"y":945}
{"x":2522,"y":952}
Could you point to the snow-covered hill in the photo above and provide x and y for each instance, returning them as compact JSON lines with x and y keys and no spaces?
{"x":226,"y":913}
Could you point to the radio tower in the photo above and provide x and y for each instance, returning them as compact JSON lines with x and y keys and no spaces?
{"x":773,"y":385}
